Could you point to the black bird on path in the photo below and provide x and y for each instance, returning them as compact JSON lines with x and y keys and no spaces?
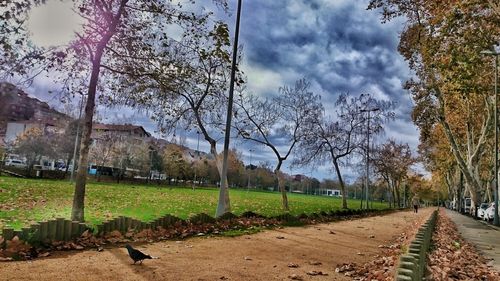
{"x":136,"y":255}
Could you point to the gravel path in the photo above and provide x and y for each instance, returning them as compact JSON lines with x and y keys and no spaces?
{"x":262,"y":256}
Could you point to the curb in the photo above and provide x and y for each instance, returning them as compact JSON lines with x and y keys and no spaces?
{"x":412,"y":264}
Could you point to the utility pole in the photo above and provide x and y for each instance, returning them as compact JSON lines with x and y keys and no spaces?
{"x":368,"y":152}
{"x":223,"y":204}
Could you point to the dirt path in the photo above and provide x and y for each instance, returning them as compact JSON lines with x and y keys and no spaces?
{"x":260,"y":256}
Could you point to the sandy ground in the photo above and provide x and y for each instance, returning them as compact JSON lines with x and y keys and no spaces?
{"x":260,"y":256}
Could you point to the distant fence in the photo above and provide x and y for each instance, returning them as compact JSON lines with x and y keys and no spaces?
{"x":412,"y":264}
{"x":65,"y":230}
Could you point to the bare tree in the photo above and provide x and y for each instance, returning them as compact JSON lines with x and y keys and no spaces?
{"x":392,"y":162}
{"x":101,"y":151}
{"x":33,"y":144}
{"x":279,"y":122}
{"x":188,"y":88}
{"x":335,"y":141}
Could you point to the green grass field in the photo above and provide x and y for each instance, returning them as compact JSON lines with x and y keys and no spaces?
{"x":24,"y":201}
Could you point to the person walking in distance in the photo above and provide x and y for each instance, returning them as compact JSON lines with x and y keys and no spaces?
{"x":416,"y":203}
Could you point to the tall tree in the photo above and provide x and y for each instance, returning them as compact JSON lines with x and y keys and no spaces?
{"x":119,"y":37}
{"x":279,"y":122}
{"x":442,"y":44}
{"x":176,"y":167}
{"x":187,"y":90}
{"x":335,"y":141}
{"x":392,"y":162}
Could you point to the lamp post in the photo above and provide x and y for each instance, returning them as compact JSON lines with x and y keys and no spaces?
{"x":368,"y":150}
{"x":223,"y":204}
{"x":495,"y":216}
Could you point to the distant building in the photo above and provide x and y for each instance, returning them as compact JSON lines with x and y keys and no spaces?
{"x":17,"y":128}
{"x":133,"y":132}
{"x":22,"y":112}
{"x":333,"y":192}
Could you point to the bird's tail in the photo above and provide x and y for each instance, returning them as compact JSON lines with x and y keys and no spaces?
{"x":148,"y":257}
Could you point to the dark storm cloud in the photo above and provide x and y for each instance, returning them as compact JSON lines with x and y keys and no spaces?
{"x":338,"y":45}
{"x":342,"y":47}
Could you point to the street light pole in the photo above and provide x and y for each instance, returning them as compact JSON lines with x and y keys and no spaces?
{"x":496,"y":220}
{"x":368,"y":152}
{"x":223,"y":204}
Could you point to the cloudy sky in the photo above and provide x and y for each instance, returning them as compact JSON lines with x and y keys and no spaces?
{"x":336,"y":44}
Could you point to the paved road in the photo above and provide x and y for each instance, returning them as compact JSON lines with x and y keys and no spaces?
{"x":485,"y":237}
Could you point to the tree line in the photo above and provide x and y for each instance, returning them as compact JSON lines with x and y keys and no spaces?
{"x":127,"y":54}
{"x":452,"y":89}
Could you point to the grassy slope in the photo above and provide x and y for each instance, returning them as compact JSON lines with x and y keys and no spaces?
{"x":23,"y":201}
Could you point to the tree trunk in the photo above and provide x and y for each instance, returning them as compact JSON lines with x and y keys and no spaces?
{"x":474,"y":202}
{"x":396,"y":189}
{"x":67,"y":166}
{"x":342,"y":185}
{"x":224,"y":205}
{"x":391,"y":193}
{"x":489,"y":188}
{"x":466,"y":165}
{"x":282,"y":188}
{"x":77,"y":213}
{"x":361,"y":201}
{"x":281,"y":185}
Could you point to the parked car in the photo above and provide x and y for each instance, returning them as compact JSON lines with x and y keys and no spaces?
{"x":490,"y":212}
{"x":15,"y":163}
{"x":481,"y":212}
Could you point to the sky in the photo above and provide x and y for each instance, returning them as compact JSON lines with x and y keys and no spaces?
{"x":336,"y":44}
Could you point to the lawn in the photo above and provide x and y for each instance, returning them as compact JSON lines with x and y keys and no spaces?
{"x":24,"y":201}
